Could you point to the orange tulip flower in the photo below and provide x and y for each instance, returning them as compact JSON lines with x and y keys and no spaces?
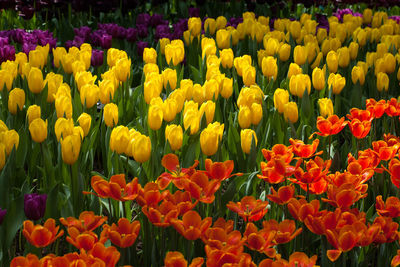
{"x":285,"y":230}
{"x":394,"y":170}
{"x":162,"y":215}
{"x":396,"y":259}
{"x":304,"y":151}
{"x":329,"y":126}
{"x":249,"y":208}
{"x":343,"y":196}
{"x":124,"y":234}
{"x":275,"y":170}
{"x":300,"y":208}
{"x":360,"y":114}
{"x":367,"y":163}
{"x":279,"y":150}
{"x":391,"y":208}
{"x":360,"y":129}
{"x":384,"y":151}
{"x":377,"y":108}
{"x":85,"y":240}
{"x":41,"y":236}
{"x":343,"y":241}
{"x":220,"y":170}
{"x":218,"y":238}
{"x":284,"y":194}
{"x":261,"y":241}
{"x":182,"y":200}
{"x":393,"y":108}
{"x":232,"y":257}
{"x":150,"y":195}
{"x":175,"y":259}
{"x":116,"y":188}
{"x":223,"y":224}
{"x":391,"y":139}
{"x":191,"y":226}
{"x":296,"y":259}
{"x":202,"y":188}
{"x":321,"y":222}
{"x":109,"y":255}
{"x":388,"y":230}
{"x":31,"y":260}
{"x":177,"y":175}
{"x":316,"y":169}
{"x":87,"y":221}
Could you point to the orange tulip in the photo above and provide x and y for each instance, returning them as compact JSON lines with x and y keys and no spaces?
{"x":109,"y":255}
{"x":249,"y":208}
{"x":316,"y":169}
{"x":360,"y":114}
{"x":396,"y":259}
{"x":41,"y":236}
{"x":261,"y":241}
{"x":202,"y":188}
{"x":275,"y":170}
{"x":303,"y":150}
{"x":343,"y":196}
{"x":85,"y":240}
{"x":300,"y":209}
{"x":388,"y":230}
{"x":87,"y":221}
{"x":31,"y":260}
{"x":359,"y":129}
{"x":279,"y":150}
{"x":220,"y":170}
{"x":377,"y":108}
{"x":284,"y":194}
{"x":384,"y":151}
{"x":329,"y":126}
{"x":150,"y":195}
{"x":182,"y":200}
{"x":124,"y":234}
{"x":161,"y":215}
{"x":175,"y":259}
{"x":285,"y":230}
{"x":391,"y":208}
{"x":393,"y":108}
{"x":191,"y":226}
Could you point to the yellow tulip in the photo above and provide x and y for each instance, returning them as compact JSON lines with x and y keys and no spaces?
{"x":169,"y":77}
{"x":223,"y":39}
{"x":63,"y":106}
{"x":155,"y":117}
{"x":210,"y":25}
{"x":11,"y":140}
{"x":163,"y":43}
{"x":16,"y":100}
{"x":256,"y":113}
{"x":332,"y":61}
{"x":149,"y":68}
{"x":353,"y":47}
{"x":290,"y":112}
{"x":174,"y":135}
{"x":207,"y":109}
{"x":174,"y":53}
{"x":66,"y":62}
{"x":281,"y":97}
{"x":191,"y":119}
{"x":113,"y":55}
{"x":300,"y":55}
{"x":322,"y":34}
{"x":85,"y":121}
{"x":119,"y":139}
{"x":298,"y":84}
{"x":367,"y":16}
{"x":70,"y":148}
{"x":6,"y":80}
{"x":36,"y":59}
{"x":318,"y":79}
{"x":209,"y":91}
{"x":269,"y":67}
{"x":241,"y":63}
{"x":246,"y":137}
{"x":358,"y":75}
{"x":38,"y":130}
{"x":141,"y":148}
{"x":271,"y":45}
{"x":35,"y":80}
{"x":382,"y":82}
{"x":58,"y":54}
{"x":89,"y":95}
{"x":390,"y":62}
{"x":294,"y":69}
{"x":336,"y":82}
{"x":295,"y":28}
{"x":63,"y":128}
{"x":53,"y":82}
{"x":325,"y":107}
{"x":77,"y":67}
{"x":2,"y":156}
{"x":194,"y":26}
{"x":106,"y":91}
{"x":85,"y":57}
{"x":84,"y":77}
{"x":210,"y":138}
{"x":123,"y":69}
{"x":20,"y":59}
{"x":169,"y":108}
{"x":244,"y":117}
{"x":226,"y":56}
{"x":227,"y":87}
{"x":284,"y":52}
{"x":249,"y":75}
{"x":149,"y":55}
{"x":110,"y":115}
{"x":221,"y":22}
{"x":343,"y":57}
{"x":153,"y":87}
{"x":33,"y":112}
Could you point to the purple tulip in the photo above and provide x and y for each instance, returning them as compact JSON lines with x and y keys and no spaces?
{"x":142,"y":30}
{"x":156,"y":20}
{"x":34,"y":206}
{"x":140,"y":47}
{"x":143,"y":19}
{"x":83,"y":32}
{"x":97,"y":57}
{"x":162,"y":31}
{"x":3,"y":41}
{"x":106,"y":41}
{"x":194,"y":12}
{"x":2,"y":215}
{"x":131,"y":34}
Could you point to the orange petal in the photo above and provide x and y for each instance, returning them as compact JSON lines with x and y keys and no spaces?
{"x":170,"y":162}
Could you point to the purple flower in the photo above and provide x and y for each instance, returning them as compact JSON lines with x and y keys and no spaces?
{"x":27,"y":47}
{"x":34,"y":206}
{"x":131,"y":34}
{"x":83,"y":32}
{"x":162,"y":31}
{"x":142,"y":30}
{"x":2,"y":215}
{"x":140,"y":45}
{"x":106,"y":41}
{"x":194,"y":12}
{"x":97,"y":57}
{"x":156,"y":20}
{"x":3,"y":41}
{"x":143,"y":19}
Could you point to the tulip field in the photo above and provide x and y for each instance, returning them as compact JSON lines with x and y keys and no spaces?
{"x":195,"y":133}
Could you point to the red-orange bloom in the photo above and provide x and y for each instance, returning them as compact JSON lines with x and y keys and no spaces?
{"x":300,"y":208}
{"x":275,"y":170}
{"x":31,"y":260}
{"x":393,"y":108}
{"x":343,"y":196}
{"x":391,"y":208}
{"x":85,"y":240}
{"x":316,"y":169}
{"x":182,"y":200}
{"x":360,"y":114}
{"x":343,"y":241}
{"x":299,"y":259}
{"x":150,"y":195}
{"x":304,"y":151}
{"x":109,"y":255}
{"x":359,"y":129}
{"x":177,"y":175}
{"x":202,"y":188}
{"x":249,"y":208}
{"x":220,"y":170}
{"x":124,"y":234}
{"x":279,"y":150}
{"x":232,"y":257}
{"x":176,"y":259}
{"x":162,"y":215}
{"x":285,"y":230}
{"x":396,"y":259}
{"x":388,"y":232}
{"x":87,"y":221}
{"x":41,"y":236}
{"x":284,"y":194}
{"x":191,"y":226}
{"x":383,"y":150}
{"x":218,"y":238}
{"x":261,"y":241}
{"x":116,"y":188}
{"x":376,"y":108}
{"x":329,"y":126}
{"x":394,"y":170}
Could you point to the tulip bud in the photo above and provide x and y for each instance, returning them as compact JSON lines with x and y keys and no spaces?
{"x":89,"y":95}
{"x":246,"y":137}
{"x":318,"y":79}
{"x":300,"y":55}
{"x":123,"y":69}
{"x":169,"y":77}
{"x":53,"y":82}
{"x":223,"y":38}
{"x":357,"y":74}
{"x":11,"y":140}
{"x":249,"y":75}
{"x":332,"y":61}
{"x":38,"y":130}
{"x":33,"y":112}
{"x":294,"y":69}
{"x":367,"y":16}
{"x":226,"y":56}
{"x":120,"y":139}
{"x":290,"y":112}
{"x":336,"y":82}
{"x":284,"y":52}
{"x":110,"y":114}
{"x":58,"y":54}
{"x":16,"y":100}
{"x":63,"y":106}
{"x":35,"y":80}
{"x":155,"y":117}
{"x":210,"y":26}
{"x":191,"y":119}
{"x":63,"y":128}
{"x":106,"y":91}
{"x":2,"y":162}
{"x":70,"y":148}
{"x":84,"y":77}
{"x":298,"y":84}
{"x":227,"y":87}
{"x":281,"y":97}
{"x":325,"y":107}
{"x":66,"y":62}
{"x":210,"y":138}
{"x":194,"y":26}
{"x":163,"y":43}
{"x":34,"y":206}
{"x":343,"y":57}
{"x":169,"y":108}
{"x":208,"y":109}
{"x":77,"y":67}
{"x":390,"y":63}
{"x":382,"y":82}
{"x":269,"y":67}
{"x":353,"y":47}
{"x":174,"y":135}
{"x":36,"y":59}
{"x":6,"y":80}
{"x":256,"y":113}
{"x":150,"y":55}
{"x":85,"y":121}
{"x":141,"y":148}
{"x":174,"y":52}
{"x":244,"y":117}
{"x":295,"y":29}
{"x":221,"y":22}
